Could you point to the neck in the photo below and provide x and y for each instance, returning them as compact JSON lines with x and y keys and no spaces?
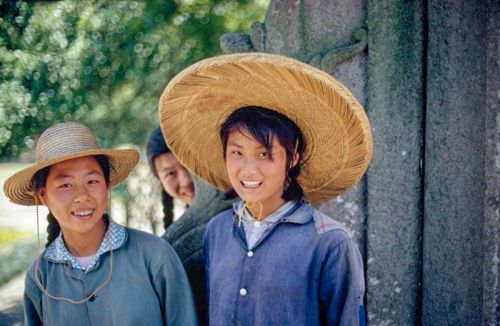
{"x":260,"y":210}
{"x":84,"y":244}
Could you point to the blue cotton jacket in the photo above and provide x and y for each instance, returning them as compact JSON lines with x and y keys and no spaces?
{"x":305,"y":271}
{"x":148,"y":287}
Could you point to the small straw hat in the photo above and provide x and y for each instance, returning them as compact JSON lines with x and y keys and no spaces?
{"x":336,"y":129}
{"x":63,"y":142}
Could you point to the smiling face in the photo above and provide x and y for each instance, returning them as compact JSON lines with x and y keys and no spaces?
{"x":174,"y":178}
{"x":255,"y":174}
{"x":77,"y":195}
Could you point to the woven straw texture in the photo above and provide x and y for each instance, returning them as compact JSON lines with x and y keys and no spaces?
{"x":63,"y":142}
{"x":337,"y":132}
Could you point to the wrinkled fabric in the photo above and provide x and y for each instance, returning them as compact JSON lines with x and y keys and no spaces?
{"x":148,"y":287}
{"x":306,"y":270}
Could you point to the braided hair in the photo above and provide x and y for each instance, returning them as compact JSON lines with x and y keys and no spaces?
{"x":156,"y":146}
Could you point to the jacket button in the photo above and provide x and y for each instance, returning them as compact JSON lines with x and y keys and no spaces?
{"x":250,"y":253}
{"x":92,"y":298}
{"x":243,"y":292}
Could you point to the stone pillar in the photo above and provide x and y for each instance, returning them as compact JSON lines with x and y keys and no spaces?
{"x":395,"y":98}
{"x":460,"y":252}
{"x":491,"y":264}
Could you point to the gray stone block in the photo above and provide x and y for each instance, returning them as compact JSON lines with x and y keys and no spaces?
{"x":395,"y":109}
{"x":453,"y":251}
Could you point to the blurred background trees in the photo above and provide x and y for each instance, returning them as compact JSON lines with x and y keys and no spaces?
{"x":104,"y":63}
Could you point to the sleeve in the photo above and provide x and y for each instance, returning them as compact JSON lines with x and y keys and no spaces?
{"x":32,"y":302}
{"x":173,"y":289}
{"x":342,"y":286}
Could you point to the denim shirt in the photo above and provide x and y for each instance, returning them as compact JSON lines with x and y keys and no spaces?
{"x":148,"y":286}
{"x":306,"y":270}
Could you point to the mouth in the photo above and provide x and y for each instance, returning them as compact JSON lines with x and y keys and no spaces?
{"x":83,"y":213}
{"x":250,"y":184}
{"x":188,"y":193}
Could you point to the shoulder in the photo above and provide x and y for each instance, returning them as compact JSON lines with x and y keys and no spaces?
{"x":331,"y":231}
{"x":154,"y":250}
{"x":144,"y":241}
{"x":324,"y":223}
{"x":30,"y":272}
{"x":222,"y":219}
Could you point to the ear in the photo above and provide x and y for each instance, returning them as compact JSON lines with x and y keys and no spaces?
{"x":42,"y":196}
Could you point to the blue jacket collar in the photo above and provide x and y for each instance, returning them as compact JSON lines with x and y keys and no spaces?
{"x":115,"y":237}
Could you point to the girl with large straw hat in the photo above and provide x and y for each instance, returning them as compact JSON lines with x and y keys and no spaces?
{"x":280,"y":134}
{"x":94,"y":271}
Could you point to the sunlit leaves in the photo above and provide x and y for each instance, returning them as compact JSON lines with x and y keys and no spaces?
{"x":104,"y":63}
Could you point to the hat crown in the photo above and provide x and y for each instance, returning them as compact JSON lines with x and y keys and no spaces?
{"x":64,"y":139}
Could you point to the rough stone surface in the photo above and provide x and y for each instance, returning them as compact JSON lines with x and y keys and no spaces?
{"x":395,"y":88}
{"x":236,"y":43}
{"x":304,"y":28}
{"x":491,"y":271}
{"x":454,"y":237}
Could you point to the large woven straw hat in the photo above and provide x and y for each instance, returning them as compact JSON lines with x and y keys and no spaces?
{"x":337,"y":133}
{"x":63,"y":142}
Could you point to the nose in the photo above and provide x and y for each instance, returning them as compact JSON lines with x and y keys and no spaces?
{"x":250,"y":166}
{"x":184,"y":178}
{"x":81,"y":194}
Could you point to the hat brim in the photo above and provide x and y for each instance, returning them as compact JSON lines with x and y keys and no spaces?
{"x":336,"y":129}
{"x":19,"y":190}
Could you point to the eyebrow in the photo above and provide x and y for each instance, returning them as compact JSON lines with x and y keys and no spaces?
{"x":239,"y":146}
{"x":234,"y":144}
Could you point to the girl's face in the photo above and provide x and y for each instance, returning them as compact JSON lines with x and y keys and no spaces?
{"x":255,"y":175}
{"x":77,"y":195}
{"x":174,"y":178}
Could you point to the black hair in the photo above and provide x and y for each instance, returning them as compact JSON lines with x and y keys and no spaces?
{"x":264,"y":124}
{"x":39,"y":181}
{"x":156,"y":146}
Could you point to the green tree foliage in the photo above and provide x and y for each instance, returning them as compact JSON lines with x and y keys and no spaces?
{"x":104,"y":63}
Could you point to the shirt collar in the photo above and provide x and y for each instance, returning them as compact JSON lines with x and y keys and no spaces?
{"x":114,"y":238}
{"x":299,"y":212}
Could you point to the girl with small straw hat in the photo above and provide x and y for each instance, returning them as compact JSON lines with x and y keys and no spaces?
{"x":282,"y":135}
{"x":94,"y":271}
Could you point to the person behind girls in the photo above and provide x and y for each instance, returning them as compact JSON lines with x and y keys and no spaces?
{"x":202,"y":202}
{"x":93,"y":270}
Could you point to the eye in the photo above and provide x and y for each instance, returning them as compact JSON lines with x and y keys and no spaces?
{"x":64,"y":185}
{"x":264,"y":154}
{"x":169,"y":174}
{"x":236,"y":153}
{"x":93,"y":181}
